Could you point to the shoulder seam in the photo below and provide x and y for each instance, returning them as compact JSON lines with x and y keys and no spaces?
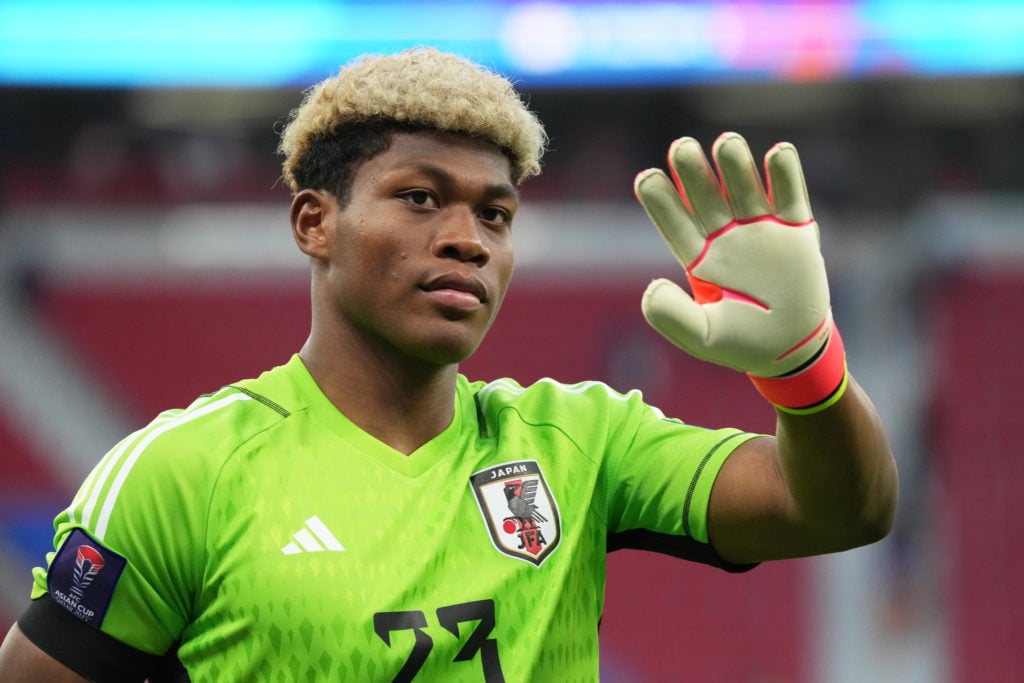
{"x":212,"y":491}
{"x":481,"y":417}
{"x":273,"y":405}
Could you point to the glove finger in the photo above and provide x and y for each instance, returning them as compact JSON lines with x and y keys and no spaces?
{"x":699,"y":186}
{"x":786,"y":184}
{"x":740,"y":176}
{"x":673,"y":313}
{"x":664,"y":206}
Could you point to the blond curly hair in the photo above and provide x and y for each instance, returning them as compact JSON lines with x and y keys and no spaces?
{"x":417,"y":89}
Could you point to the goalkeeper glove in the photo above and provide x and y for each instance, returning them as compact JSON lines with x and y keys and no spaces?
{"x":760,"y":301}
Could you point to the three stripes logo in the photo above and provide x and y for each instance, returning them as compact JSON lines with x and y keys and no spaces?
{"x":313,"y":537}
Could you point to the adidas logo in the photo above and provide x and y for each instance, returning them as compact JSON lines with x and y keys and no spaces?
{"x":314,"y":537}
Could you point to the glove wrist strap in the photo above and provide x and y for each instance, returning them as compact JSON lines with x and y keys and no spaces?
{"x":814,"y":388}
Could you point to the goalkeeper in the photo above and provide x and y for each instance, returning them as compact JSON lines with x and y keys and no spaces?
{"x":364,"y":512}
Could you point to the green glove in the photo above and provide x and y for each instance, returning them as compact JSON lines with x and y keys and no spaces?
{"x":760,"y":301}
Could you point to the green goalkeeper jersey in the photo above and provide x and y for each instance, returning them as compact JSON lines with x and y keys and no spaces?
{"x":267,"y":538}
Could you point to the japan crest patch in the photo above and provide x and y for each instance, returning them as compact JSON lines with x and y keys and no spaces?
{"x":518,"y":509}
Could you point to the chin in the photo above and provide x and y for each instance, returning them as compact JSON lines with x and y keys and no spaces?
{"x":447,"y":346}
{"x":444,"y":354}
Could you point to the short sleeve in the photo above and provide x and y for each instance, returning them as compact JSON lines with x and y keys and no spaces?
{"x":659,"y":472}
{"x":130,"y":548}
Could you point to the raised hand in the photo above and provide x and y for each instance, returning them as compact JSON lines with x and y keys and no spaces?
{"x":760,"y":297}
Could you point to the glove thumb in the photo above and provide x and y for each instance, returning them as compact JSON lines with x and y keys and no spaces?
{"x":670,"y":310}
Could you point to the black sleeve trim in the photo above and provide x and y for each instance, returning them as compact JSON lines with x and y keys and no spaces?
{"x":696,"y":476}
{"x":82,"y":648}
{"x":683,"y":547}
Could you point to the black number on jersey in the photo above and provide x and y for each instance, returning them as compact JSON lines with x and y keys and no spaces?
{"x":482,"y":610}
{"x":384,"y":623}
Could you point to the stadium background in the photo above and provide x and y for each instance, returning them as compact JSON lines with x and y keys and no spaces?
{"x":145,"y":258}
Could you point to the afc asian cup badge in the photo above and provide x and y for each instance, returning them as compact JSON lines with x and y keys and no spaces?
{"x":518,"y":509}
{"x":83,"y":575}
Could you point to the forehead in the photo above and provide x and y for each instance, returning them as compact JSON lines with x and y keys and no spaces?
{"x":456,"y":154}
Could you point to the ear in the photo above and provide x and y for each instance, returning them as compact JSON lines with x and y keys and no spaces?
{"x":311,"y":213}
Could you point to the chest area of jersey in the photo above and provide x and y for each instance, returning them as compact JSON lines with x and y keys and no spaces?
{"x":489,"y":503}
{"x":405,"y":567}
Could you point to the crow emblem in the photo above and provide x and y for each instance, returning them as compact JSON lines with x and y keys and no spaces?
{"x":520,"y":495}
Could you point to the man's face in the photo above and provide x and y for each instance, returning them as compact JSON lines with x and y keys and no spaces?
{"x":420,"y":258}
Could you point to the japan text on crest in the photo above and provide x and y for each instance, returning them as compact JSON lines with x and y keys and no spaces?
{"x":520,"y":513}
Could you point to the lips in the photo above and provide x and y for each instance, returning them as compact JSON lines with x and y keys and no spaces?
{"x":458,"y":283}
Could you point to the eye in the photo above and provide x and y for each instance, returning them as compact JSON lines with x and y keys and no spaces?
{"x":421,"y":198}
{"x":496,"y":215}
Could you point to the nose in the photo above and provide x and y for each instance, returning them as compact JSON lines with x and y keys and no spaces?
{"x":460,"y":237}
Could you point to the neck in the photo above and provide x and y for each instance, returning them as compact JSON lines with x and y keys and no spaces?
{"x":401,"y":402}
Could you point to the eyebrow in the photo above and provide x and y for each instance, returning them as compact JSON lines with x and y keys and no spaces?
{"x":492,"y":191}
